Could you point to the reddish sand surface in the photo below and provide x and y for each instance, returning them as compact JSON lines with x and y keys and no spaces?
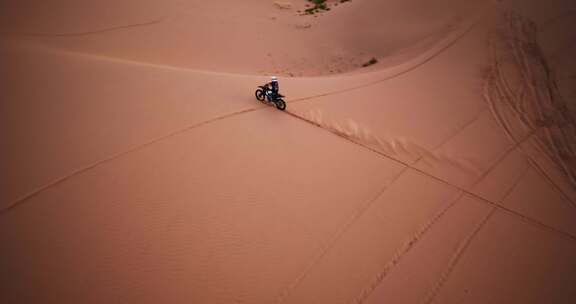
{"x":138,"y":167}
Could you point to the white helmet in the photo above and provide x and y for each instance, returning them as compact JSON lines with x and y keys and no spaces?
{"x":274,"y":79}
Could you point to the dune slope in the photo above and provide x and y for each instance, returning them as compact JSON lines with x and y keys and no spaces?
{"x":139,"y":168}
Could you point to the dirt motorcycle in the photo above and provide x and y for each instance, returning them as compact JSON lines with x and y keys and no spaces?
{"x":263,"y":93}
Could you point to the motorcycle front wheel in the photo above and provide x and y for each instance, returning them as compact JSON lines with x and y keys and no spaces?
{"x":260,"y":94}
{"x":280,"y":104}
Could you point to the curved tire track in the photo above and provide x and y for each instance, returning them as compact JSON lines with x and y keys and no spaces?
{"x":98,"y":163}
{"x":84,"y":33}
{"x":532,"y":105}
{"x":434,"y":52}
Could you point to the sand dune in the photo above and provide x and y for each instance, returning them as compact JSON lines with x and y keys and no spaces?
{"x":139,"y":168}
{"x":200,"y":35}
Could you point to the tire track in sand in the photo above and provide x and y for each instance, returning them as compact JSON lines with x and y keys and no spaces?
{"x":411,"y":243}
{"x":453,"y":261}
{"x":495,"y":206}
{"x":537,"y":107}
{"x":404,"y":249}
{"x":100,"y":162}
{"x":365,"y":293}
{"x":429,"y":175}
{"x":457,"y":256}
{"x":84,"y":33}
{"x":333,"y":240}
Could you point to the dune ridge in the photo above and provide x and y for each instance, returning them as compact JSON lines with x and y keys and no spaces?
{"x":338,"y":132}
{"x":397,"y":147}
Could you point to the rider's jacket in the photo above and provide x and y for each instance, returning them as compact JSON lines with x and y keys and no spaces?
{"x":274,"y":87}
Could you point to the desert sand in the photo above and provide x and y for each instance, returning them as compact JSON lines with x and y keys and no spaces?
{"x":138,"y":167}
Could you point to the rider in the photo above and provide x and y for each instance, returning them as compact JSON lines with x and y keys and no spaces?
{"x":274,"y":88}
